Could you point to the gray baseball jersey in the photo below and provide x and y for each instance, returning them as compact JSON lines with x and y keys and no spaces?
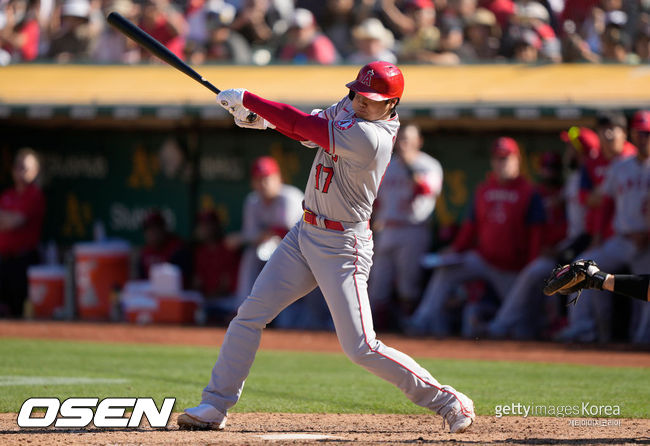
{"x":575,"y":210}
{"x":342,"y":186}
{"x":278,"y":215}
{"x":397,"y":201}
{"x":282,"y":212}
{"x":345,"y":177}
{"x":628,"y":182}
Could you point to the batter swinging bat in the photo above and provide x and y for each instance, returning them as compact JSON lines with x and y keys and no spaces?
{"x":159,"y":50}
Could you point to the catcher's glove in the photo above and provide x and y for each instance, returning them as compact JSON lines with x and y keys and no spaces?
{"x":574,"y":277}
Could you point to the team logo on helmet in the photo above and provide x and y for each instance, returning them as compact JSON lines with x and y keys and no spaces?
{"x":367,"y":77}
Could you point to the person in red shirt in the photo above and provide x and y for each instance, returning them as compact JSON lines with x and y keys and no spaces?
{"x":215,"y":267}
{"x":162,"y":246}
{"x":164,"y":23}
{"x":22,"y":209}
{"x":305,"y":44}
{"x":502,"y":234}
{"x":21,"y":31}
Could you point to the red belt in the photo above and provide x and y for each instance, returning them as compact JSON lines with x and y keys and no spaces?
{"x":312,"y":219}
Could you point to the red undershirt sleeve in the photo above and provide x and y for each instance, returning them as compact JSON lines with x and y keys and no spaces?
{"x":289,"y":120}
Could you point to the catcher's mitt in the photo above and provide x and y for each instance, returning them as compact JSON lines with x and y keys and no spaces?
{"x":574,"y":277}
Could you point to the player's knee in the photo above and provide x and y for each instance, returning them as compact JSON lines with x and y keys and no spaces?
{"x":359,"y":354}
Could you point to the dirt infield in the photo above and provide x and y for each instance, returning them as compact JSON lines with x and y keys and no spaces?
{"x":327,"y":342}
{"x":256,"y":428}
{"x":295,"y":429}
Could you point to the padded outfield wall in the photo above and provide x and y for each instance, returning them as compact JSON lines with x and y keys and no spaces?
{"x":117,"y":141}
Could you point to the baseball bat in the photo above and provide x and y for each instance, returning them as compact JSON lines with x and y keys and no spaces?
{"x":161,"y":51}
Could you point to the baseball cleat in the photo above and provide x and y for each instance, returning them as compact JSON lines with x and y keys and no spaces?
{"x":202,"y":417}
{"x":459,"y":413}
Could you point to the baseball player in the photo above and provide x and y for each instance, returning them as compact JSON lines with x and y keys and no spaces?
{"x":627,"y":183}
{"x":270,"y":210}
{"x":502,"y":234}
{"x":331,"y":246}
{"x":519,"y":315}
{"x":403,"y":210}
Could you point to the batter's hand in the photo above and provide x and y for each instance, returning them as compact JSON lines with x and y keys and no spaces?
{"x":229,"y":99}
{"x":242,"y":115}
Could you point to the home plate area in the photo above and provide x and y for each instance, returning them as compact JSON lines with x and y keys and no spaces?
{"x":294,"y":429}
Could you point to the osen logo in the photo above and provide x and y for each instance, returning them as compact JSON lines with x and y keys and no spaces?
{"x":78,"y":412}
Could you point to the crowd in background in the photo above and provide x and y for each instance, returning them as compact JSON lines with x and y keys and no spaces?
{"x":443,"y":32}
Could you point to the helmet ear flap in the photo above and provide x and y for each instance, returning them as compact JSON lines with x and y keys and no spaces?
{"x":351,"y":95}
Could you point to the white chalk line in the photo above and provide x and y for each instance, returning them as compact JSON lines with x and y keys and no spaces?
{"x":298,"y":437}
{"x":9,"y":381}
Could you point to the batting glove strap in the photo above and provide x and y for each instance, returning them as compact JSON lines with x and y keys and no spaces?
{"x":230,"y":99}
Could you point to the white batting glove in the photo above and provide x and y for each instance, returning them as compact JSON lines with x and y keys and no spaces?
{"x":229,"y":99}
{"x":321,"y":114}
{"x":242,"y":114}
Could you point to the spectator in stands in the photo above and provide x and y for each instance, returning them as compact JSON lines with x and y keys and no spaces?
{"x":482,"y":37}
{"x":270,"y":210}
{"x":19,"y":36}
{"x":401,"y":223}
{"x":222,"y":44}
{"x":305,"y":43}
{"x":71,"y":38}
{"x":529,"y":37}
{"x":255,"y":21}
{"x":642,"y":44}
{"x":451,"y":34}
{"x":526,"y":46}
{"x":501,"y":235}
{"x":112,"y":46}
{"x":462,"y":9}
{"x":614,"y":46}
{"x":164,"y":22}
{"x":393,"y":13}
{"x":373,"y":42}
{"x":340,"y":18}
{"x":502,"y":10}
{"x":22,"y":209}
{"x":162,"y":246}
{"x":423,"y":45}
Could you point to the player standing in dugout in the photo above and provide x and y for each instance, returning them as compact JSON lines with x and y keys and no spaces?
{"x":330,"y":247}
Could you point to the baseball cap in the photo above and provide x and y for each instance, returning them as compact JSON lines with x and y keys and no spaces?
{"x":581,"y":138}
{"x":76,"y":8}
{"x":641,"y":121}
{"x":504,"y":146}
{"x":610,"y":118}
{"x":302,"y":18}
{"x":264,"y":166}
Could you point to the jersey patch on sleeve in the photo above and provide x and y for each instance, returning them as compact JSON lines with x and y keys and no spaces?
{"x":344,"y":124}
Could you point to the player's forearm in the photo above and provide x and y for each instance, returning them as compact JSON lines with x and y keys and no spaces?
{"x":289,"y":119}
{"x":637,"y":287}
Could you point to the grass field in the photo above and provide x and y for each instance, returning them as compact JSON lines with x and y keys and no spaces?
{"x":300,"y":382}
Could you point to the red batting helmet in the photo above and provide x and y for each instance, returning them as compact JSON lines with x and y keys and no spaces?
{"x":641,"y":121}
{"x":379,"y":81}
